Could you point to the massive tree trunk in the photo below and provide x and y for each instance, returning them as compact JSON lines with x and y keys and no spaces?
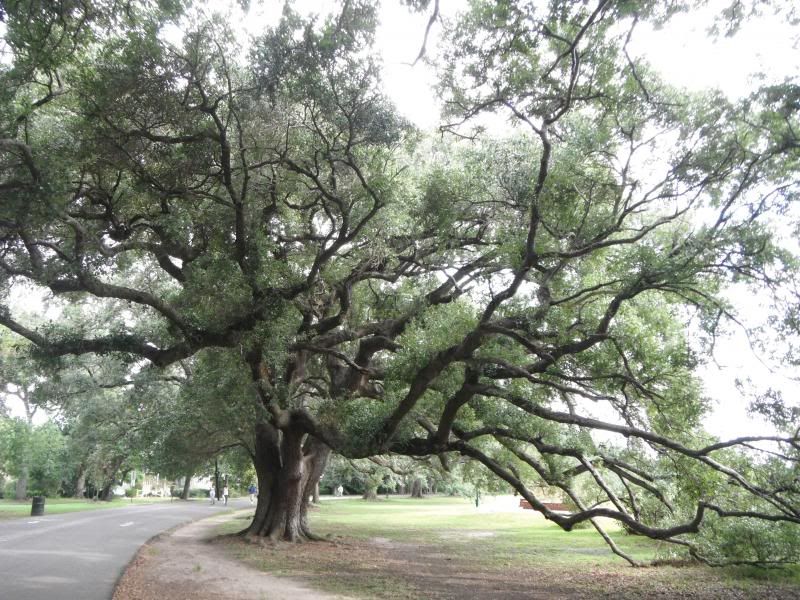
{"x":288,"y":463}
{"x":186,"y":484}
{"x":266,"y":460}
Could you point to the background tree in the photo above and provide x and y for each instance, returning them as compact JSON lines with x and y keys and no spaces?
{"x":34,"y":455}
{"x":372,"y":476}
{"x":18,"y":381}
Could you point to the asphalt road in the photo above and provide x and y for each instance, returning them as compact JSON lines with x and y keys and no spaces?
{"x":80,"y":556}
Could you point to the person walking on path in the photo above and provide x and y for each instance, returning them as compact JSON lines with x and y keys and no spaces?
{"x":225,"y":495}
{"x":252,"y":490}
{"x":212,"y":495}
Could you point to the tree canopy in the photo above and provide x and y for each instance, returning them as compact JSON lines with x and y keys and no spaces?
{"x":537,"y":301}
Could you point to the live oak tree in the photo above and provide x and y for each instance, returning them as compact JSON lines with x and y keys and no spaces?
{"x":520,"y":301}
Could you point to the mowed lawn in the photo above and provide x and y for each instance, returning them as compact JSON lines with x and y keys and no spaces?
{"x":10,"y":509}
{"x":446,"y":548}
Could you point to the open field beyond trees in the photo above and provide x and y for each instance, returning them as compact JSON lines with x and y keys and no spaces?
{"x":445,"y":548}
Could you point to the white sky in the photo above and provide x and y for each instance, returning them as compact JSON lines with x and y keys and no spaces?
{"x":686,"y":56}
{"x":683,"y":53}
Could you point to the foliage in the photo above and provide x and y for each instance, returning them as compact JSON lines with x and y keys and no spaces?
{"x":261,"y":230}
{"x":34,"y":452}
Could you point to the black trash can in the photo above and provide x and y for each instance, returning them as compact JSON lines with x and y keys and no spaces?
{"x":37,"y":508}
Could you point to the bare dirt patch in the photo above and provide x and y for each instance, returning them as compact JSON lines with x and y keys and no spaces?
{"x":456,"y":534}
{"x":382,"y":568}
{"x":187,"y":563}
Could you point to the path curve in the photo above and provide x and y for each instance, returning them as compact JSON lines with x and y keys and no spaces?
{"x":185,"y":563}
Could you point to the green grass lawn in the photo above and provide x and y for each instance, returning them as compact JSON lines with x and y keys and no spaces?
{"x":446,"y":548}
{"x":10,"y":509}
{"x":520,"y":537}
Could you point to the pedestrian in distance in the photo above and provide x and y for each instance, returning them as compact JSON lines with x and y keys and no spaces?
{"x":225,"y":495}
{"x":212,"y":495}
{"x":252,"y":490}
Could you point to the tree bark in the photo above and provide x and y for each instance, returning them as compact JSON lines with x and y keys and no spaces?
{"x":370,"y":493}
{"x":186,"y":485}
{"x":283,"y":516}
{"x":318,"y":454}
{"x":416,"y":488}
{"x":288,"y":465}
{"x":315,"y":495}
{"x":217,"y":488}
{"x":105,"y":493}
{"x":80,"y":482}
{"x":21,"y":489}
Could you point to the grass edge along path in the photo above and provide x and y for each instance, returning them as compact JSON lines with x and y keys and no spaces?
{"x":444,"y":548}
{"x":18,"y":509}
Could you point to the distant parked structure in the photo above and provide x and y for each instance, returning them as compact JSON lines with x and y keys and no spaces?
{"x":153,"y":485}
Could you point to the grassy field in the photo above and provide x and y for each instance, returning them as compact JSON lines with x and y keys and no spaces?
{"x":10,"y":509}
{"x":446,"y":548}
